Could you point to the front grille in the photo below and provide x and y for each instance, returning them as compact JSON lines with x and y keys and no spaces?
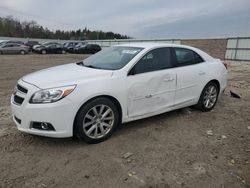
{"x":18,"y":100}
{"x":19,"y":94}
{"x":22,"y":89}
{"x":18,"y":120}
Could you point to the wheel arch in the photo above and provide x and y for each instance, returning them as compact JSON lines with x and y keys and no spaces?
{"x":113,"y":99}
{"x":216,"y":82}
{"x":199,"y":104}
{"x":20,"y":51}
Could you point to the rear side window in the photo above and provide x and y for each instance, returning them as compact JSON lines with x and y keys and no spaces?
{"x":157,"y":59}
{"x":186,"y":57}
{"x":52,"y":46}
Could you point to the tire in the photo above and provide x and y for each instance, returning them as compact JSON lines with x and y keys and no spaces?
{"x":1,"y":52}
{"x":22,"y":52}
{"x":208,"y":98}
{"x":63,"y":52}
{"x":96,"y":120}
{"x":43,"y":52}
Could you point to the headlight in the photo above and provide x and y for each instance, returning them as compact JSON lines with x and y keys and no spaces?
{"x":51,"y":95}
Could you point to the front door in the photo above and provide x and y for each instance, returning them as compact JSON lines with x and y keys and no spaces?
{"x":151,"y":84}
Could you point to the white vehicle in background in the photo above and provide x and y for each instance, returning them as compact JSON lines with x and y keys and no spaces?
{"x":119,"y":84}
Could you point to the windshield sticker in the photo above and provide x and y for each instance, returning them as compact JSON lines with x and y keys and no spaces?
{"x":129,"y":51}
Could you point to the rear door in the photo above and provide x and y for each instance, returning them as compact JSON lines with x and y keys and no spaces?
{"x":51,"y":48}
{"x":151,"y":83}
{"x":89,"y":49}
{"x":58,"y":48}
{"x":191,"y":73}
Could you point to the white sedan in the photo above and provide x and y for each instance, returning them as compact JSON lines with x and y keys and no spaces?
{"x":90,"y":98}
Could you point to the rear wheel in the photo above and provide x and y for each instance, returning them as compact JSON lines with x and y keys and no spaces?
{"x":44,"y":52}
{"x":22,"y":52}
{"x":208,"y":97}
{"x":1,"y":52}
{"x":63,"y":51}
{"x":96,"y":120}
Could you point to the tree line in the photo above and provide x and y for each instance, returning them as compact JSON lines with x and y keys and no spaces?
{"x":12,"y":27}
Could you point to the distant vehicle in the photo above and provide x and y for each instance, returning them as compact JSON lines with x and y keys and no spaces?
{"x":31,"y":43}
{"x":14,"y":48}
{"x":50,"y":49}
{"x":11,"y":41}
{"x":44,"y":44}
{"x":87,"y":49}
{"x":89,"y":99}
{"x":70,"y":46}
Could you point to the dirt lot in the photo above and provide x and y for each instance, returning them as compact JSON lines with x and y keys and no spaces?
{"x":184,"y":148}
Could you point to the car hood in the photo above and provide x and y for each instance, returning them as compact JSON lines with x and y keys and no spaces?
{"x":62,"y":75}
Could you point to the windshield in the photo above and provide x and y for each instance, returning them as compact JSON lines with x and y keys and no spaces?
{"x":112,"y":58}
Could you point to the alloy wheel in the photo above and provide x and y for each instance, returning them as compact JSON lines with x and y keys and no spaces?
{"x":210,"y":96}
{"x":98,"y":121}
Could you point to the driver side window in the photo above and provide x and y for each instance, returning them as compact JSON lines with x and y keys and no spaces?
{"x":157,"y":59}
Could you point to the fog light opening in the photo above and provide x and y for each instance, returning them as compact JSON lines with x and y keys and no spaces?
{"x":42,"y":126}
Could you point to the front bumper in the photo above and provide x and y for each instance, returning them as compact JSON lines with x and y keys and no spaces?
{"x":60,"y":114}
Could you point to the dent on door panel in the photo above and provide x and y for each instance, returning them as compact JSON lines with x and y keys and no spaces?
{"x":149,"y":96}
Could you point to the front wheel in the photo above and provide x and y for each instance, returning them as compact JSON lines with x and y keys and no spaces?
{"x":208,"y":97}
{"x":96,"y":120}
{"x":22,"y":52}
{"x":44,"y":52}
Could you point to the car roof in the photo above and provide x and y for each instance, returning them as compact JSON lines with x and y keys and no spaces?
{"x":149,"y":45}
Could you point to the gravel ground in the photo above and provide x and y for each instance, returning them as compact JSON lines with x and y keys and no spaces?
{"x":183,"y":148}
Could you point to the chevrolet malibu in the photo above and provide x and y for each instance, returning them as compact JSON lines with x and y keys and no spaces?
{"x":90,"y":98}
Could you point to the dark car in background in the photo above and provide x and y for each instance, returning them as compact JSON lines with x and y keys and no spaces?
{"x":43,"y":44}
{"x":14,"y":48}
{"x":49,"y":49}
{"x":87,"y":49}
{"x":70,"y":46}
{"x":31,"y":43}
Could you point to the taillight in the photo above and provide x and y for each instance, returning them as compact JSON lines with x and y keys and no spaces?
{"x":225,"y":65}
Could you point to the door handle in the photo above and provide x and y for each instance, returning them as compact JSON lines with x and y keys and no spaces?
{"x":168,"y":79}
{"x":201,"y":73}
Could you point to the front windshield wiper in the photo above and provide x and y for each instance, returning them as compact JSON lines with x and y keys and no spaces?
{"x":89,"y":66}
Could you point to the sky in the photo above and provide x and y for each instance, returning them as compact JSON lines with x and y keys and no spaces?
{"x":138,"y":18}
